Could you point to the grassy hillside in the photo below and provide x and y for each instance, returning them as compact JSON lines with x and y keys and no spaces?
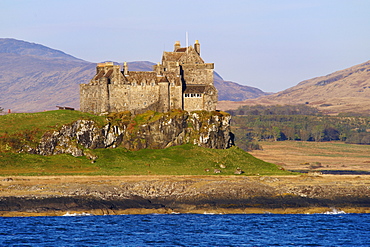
{"x":18,"y":129}
{"x":42,"y":121}
{"x":179,"y":160}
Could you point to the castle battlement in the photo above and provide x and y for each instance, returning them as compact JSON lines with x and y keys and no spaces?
{"x":181,"y":81}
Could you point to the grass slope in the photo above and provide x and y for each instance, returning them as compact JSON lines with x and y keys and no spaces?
{"x":17,"y":129}
{"x":18,"y":123}
{"x":179,"y":160}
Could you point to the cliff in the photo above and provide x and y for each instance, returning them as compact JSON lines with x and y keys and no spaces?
{"x":183,"y":194}
{"x":151,"y":130}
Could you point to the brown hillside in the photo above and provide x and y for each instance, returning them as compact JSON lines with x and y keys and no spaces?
{"x":346,"y":90}
{"x":30,"y":83}
{"x":228,"y":90}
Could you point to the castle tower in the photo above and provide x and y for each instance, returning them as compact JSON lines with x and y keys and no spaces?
{"x":164,"y":94}
{"x":125,"y":68}
{"x":182,"y":81}
{"x":197,"y":47}
{"x":177,"y":45}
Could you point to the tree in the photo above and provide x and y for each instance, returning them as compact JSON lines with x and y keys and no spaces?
{"x":276,"y":132}
{"x":318,"y":133}
{"x":331,"y":134}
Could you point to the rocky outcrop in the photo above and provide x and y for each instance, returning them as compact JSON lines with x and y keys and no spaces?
{"x":149,"y":130}
{"x":109,"y":195}
{"x":205,"y":129}
{"x":73,"y":138}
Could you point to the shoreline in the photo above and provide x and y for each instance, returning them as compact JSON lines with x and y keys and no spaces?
{"x":307,"y":211}
{"x":26,"y":196}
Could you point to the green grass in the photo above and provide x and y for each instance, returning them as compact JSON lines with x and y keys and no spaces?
{"x":27,"y":128}
{"x":19,"y":122}
{"x":179,"y":160}
{"x":18,"y":129}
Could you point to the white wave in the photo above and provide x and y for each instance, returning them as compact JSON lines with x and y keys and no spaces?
{"x":334,"y":211}
{"x":77,"y":214}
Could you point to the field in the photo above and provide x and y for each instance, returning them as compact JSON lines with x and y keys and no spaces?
{"x":295,"y":155}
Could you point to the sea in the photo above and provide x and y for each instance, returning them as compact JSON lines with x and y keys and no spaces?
{"x":328,"y":229}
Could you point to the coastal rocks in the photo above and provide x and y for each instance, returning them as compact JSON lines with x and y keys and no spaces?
{"x":182,"y":194}
{"x":149,"y":130}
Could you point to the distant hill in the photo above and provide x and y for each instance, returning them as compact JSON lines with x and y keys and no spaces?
{"x":228,"y":90}
{"x":347,"y":90}
{"x":36,"y":83}
{"x":19,"y":47}
{"x":34,"y":78}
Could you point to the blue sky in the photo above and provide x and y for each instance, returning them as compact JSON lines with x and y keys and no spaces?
{"x":268,"y":44}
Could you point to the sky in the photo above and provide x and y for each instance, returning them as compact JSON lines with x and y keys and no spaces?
{"x":268,"y":44}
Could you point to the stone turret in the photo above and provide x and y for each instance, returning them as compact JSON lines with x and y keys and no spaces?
{"x":197,"y":47}
{"x":125,"y":69}
{"x":177,"y":45}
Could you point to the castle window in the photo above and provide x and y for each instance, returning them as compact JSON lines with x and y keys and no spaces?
{"x":192,"y":95}
{"x":144,"y":103}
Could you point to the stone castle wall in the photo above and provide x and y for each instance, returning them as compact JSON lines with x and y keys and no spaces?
{"x":135,"y":98}
{"x":182,"y":81}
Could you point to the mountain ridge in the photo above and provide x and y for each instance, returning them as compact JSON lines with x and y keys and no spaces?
{"x":34,"y":77}
{"x":20,"y":47}
{"x":346,"y":90}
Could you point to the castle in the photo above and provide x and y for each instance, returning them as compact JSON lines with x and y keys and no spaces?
{"x":182,"y":81}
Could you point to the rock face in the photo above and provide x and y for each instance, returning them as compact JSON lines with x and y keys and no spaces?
{"x":205,"y":129}
{"x":150,"y":130}
{"x":82,"y":132}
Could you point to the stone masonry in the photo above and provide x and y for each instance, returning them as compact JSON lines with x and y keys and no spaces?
{"x":182,"y":81}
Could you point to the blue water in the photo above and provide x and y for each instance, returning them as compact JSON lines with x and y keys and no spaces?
{"x":188,"y":230}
